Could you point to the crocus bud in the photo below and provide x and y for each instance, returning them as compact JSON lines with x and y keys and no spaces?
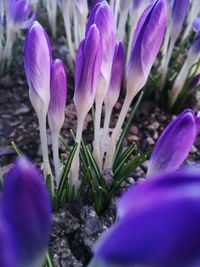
{"x":58,"y":91}
{"x":178,"y":14}
{"x":26,"y":207}
{"x":87,"y":69}
{"x":146,"y":44}
{"x":81,"y":10}
{"x":175,"y":143}
{"x":19,"y":13}
{"x":196,"y":24}
{"x":117,"y":74}
{"x":162,"y":231}
{"x":103,"y":17}
{"x":37,"y":56}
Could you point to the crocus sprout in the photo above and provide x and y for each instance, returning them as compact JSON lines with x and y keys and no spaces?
{"x":174,"y":144}
{"x":146,"y":44}
{"x":26,"y":207}
{"x":178,"y":14}
{"x":192,"y":57}
{"x":118,"y":67}
{"x":87,"y":71}
{"x":37,"y":57}
{"x":103,"y":17}
{"x":56,"y":112}
{"x":158,"y":224}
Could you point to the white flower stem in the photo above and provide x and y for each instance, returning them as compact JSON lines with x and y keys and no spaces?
{"x":122,"y":24}
{"x":75,"y":167}
{"x":55,"y":148}
{"x":44,"y":146}
{"x":132,"y":31}
{"x":97,"y":128}
{"x":179,"y":82}
{"x":108,"y":112}
{"x":116,"y":10}
{"x":117,"y":130}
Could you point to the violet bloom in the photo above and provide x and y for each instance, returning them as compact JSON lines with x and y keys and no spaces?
{"x":118,"y":68}
{"x":25,"y":204}
{"x":196,"y":24}
{"x":175,"y":143}
{"x":56,"y":112}
{"x":146,"y":44}
{"x":103,"y":17}
{"x":19,"y":12}
{"x":87,"y":71}
{"x":160,"y":229}
{"x":37,"y":58}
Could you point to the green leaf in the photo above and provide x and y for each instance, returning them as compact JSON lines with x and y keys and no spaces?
{"x":17,"y":149}
{"x":126,"y":128}
{"x":49,"y":260}
{"x":64,"y":178}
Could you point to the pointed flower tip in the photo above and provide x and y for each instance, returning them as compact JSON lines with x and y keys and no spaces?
{"x":58,"y":92}
{"x":26,"y":206}
{"x":174,"y":144}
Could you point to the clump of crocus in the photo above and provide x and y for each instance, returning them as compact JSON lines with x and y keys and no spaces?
{"x":174,"y":144}
{"x":146,"y":44}
{"x":87,"y":72}
{"x":26,"y":210}
{"x":56,"y":112}
{"x":158,"y":224}
{"x":118,"y":67}
{"x":18,"y":16}
{"x":37,"y":57}
{"x":103,"y":17}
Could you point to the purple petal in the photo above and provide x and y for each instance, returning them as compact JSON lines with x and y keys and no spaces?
{"x":58,"y":91}
{"x":26,"y":207}
{"x":117,"y":73}
{"x":37,"y":57}
{"x":87,"y":69}
{"x":179,"y":11}
{"x":146,"y":43}
{"x":8,"y":257}
{"x":196,"y":24}
{"x":163,"y":233}
{"x":102,"y":16}
{"x":195,"y":46}
{"x":174,"y":144}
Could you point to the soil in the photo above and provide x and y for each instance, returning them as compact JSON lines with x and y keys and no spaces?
{"x":77,"y":226}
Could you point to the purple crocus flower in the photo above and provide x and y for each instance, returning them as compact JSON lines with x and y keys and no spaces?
{"x":146,"y":44}
{"x":37,"y":57}
{"x":117,"y":73}
{"x":58,"y":92}
{"x":19,"y":12}
{"x":25,"y":205}
{"x":102,"y":16}
{"x":174,"y":144}
{"x":178,"y":14}
{"x":87,"y":70}
{"x":161,"y":228}
{"x":196,"y":24}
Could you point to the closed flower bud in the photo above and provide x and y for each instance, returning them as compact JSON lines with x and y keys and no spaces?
{"x":37,"y":56}
{"x":175,"y":143}
{"x":88,"y":62}
{"x":26,"y":208}
{"x":146,"y":44}
{"x":58,"y":92}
